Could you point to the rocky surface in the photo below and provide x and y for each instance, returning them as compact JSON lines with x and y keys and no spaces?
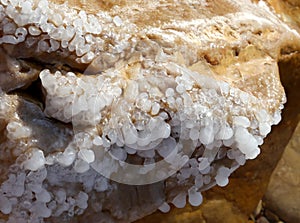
{"x":283,"y":194}
{"x":168,"y":97}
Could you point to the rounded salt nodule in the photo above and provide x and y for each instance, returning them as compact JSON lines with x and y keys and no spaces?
{"x":67,"y":157}
{"x":54,"y":45}
{"x":97,"y":141}
{"x":81,"y":166}
{"x":222,"y":176}
{"x":246,"y":143}
{"x":206,"y":135}
{"x":195,"y":197}
{"x":35,"y":161}
{"x":130,"y":134}
{"x":9,"y":28}
{"x":194,"y":133}
{"x":166,"y":147}
{"x":87,"y":155}
{"x":199,"y":181}
{"x":26,"y":7}
{"x":40,"y":209}
{"x":43,"y":46}
{"x":81,"y":200}
{"x":5,"y":205}
{"x":60,"y":196}
{"x":264,"y":128}
{"x":203,"y":163}
{"x":224,"y":133}
{"x":241,"y":121}
{"x":43,"y":196}
{"x":155,"y":108}
{"x":88,"y":57}
{"x":8,"y":39}
{"x":180,"y":200}
{"x":118,"y":153}
{"x":34,"y":31}
{"x":17,"y":131}
{"x":165,"y":207}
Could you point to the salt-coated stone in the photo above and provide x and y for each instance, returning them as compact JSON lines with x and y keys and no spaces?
{"x":142,"y":98}
{"x":35,"y":161}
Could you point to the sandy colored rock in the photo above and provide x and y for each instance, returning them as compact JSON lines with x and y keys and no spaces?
{"x":283,"y":194}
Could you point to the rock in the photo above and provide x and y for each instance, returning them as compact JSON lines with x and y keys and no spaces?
{"x":283,"y":194}
{"x":170,"y":98}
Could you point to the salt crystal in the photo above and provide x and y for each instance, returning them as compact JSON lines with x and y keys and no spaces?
{"x":8,"y":39}
{"x":204,"y":163}
{"x":35,"y":161}
{"x":101,"y":184}
{"x":206,"y":179}
{"x":67,"y":157}
{"x":97,"y":141}
{"x":155,"y":108}
{"x":9,"y":28}
{"x":276,"y":117}
{"x":118,"y":153}
{"x":16,"y":130}
{"x":225,"y":132}
{"x":81,"y":166}
{"x":54,"y":45}
{"x":195,"y":197}
{"x":166,"y":147}
{"x":88,"y":57}
{"x":241,"y":160}
{"x":199,"y":181}
{"x":264,"y":128}
{"x":194,"y":133}
{"x":34,"y":31}
{"x":26,"y":7}
{"x":60,"y":196}
{"x":5,"y":205}
{"x":169,"y":92}
{"x":44,"y":196}
{"x":43,"y":46}
{"x":246,"y":142}
{"x":130,"y":150}
{"x":206,"y":135}
{"x":117,"y":21}
{"x":130,"y":134}
{"x":241,"y":121}
{"x":41,"y":209}
{"x":180,"y":200}
{"x":205,"y":170}
{"x":86,"y":155}
{"x":81,"y":200}
{"x":186,"y":172}
{"x":221,"y":181}
{"x":165,"y":207}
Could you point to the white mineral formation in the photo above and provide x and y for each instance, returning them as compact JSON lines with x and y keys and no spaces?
{"x":168,"y":97}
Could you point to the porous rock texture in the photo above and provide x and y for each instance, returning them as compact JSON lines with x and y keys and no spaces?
{"x":168,"y":97}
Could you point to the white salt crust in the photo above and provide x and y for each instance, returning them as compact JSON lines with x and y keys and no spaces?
{"x":200,"y":117}
{"x":66,"y":28}
{"x":216,"y":119}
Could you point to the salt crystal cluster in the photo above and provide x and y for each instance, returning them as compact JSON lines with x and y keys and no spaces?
{"x":143,"y":111}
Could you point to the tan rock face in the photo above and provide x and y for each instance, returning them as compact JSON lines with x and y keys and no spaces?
{"x":283,"y":192}
{"x":115,"y":87}
{"x":282,"y":196}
